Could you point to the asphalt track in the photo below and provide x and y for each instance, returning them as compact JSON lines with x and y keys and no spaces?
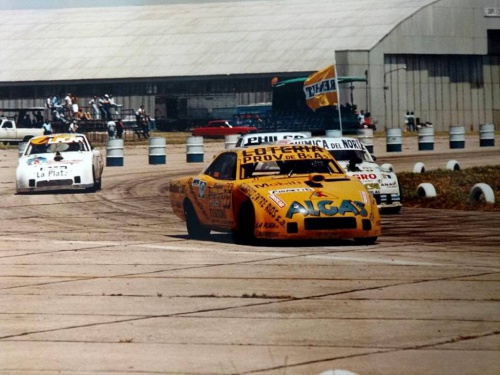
{"x":109,"y":283}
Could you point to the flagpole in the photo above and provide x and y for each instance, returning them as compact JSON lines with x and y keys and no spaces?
{"x":338,"y":99}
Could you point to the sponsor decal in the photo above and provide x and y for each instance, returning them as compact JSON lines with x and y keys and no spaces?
{"x":290,"y":190}
{"x":366,"y":176}
{"x":277,"y":153}
{"x":364,"y":197}
{"x":279,"y":202}
{"x":326,"y":208}
{"x":255,"y":140}
{"x":266,"y":225}
{"x":37,"y":160}
{"x":52,"y":172}
{"x":331,"y":144}
{"x":217,"y":214}
{"x":266,"y":234}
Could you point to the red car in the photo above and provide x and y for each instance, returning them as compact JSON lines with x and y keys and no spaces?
{"x":220,"y":128}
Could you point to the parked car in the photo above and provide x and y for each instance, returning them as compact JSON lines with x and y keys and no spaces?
{"x":221,"y":128}
{"x":278,"y":192}
{"x":59,"y":162}
{"x":10,"y":133}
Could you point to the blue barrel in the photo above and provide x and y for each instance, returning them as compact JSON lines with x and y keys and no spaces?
{"x":157,"y":150}
{"x":457,"y":136}
{"x":425,"y":138}
{"x":114,"y":153}
{"x":486,"y":135}
{"x":394,"y":140}
{"x":194,"y":149}
{"x":366,"y":137}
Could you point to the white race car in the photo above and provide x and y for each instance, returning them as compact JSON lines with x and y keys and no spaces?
{"x":381,"y":181}
{"x":59,"y":162}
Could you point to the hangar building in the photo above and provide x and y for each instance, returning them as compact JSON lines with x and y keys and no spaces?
{"x":189,"y":61}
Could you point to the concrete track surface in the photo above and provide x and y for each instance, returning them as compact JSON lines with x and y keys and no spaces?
{"x":109,"y":283}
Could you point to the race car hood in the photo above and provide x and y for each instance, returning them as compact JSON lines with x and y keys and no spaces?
{"x":368,"y":173}
{"x":285,"y":198}
{"x":53,"y":165}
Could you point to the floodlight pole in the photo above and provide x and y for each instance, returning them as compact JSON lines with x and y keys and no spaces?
{"x":385,"y":92}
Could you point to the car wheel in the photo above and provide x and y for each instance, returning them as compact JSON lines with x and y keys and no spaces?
{"x":365,"y":240}
{"x":194,"y":227}
{"x":245,"y":232}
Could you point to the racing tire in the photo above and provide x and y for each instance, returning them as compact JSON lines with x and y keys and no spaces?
{"x":365,"y":240}
{"x":426,"y":190}
{"x":482,"y":192}
{"x":194,"y":227}
{"x":245,"y":232}
{"x":419,"y":168}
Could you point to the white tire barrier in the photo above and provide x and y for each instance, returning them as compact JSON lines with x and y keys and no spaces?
{"x":481,"y":192}
{"x":387,"y":166}
{"x":453,"y":165}
{"x":419,"y":168}
{"x":426,"y":190}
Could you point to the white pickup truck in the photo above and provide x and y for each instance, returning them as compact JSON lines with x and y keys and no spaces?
{"x":10,"y":133}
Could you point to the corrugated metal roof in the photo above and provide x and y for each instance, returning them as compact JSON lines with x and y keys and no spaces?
{"x":191,"y":39}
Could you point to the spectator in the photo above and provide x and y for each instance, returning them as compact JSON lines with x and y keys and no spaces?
{"x":361,"y":118}
{"x":102,"y":104}
{"x":27,"y":121}
{"x":112,"y":104}
{"x":74,"y":105}
{"x":38,"y":118}
{"x":47,"y":128}
{"x":107,"y":107}
{"x":111,"y":129}
{"x":368,"y":123}
{"x":73,"y":127}
{"x":119,"y":128}
{"x":68,"y":103}
{"x":96,"y":113}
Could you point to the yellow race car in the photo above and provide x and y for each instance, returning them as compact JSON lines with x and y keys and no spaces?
{"x":280,"y":192}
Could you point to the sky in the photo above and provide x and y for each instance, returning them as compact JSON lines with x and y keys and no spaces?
{"x":57,"y":4}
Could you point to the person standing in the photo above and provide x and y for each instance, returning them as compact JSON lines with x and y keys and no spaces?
{"x":47,"y":128}
{"x":68,"y":105}
{"x":411,"y":122}
{"x":119,"y":128}
{"x":111,"y":129}
{"x":96,"y":113}
{"x":73,"y":127}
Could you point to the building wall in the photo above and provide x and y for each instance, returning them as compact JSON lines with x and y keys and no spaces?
{"x":449,"y":78}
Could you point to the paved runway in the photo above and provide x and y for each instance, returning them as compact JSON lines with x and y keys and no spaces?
{"x":109,"y":283}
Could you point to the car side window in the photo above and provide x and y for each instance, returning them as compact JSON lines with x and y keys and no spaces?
{"x":223,"y":167}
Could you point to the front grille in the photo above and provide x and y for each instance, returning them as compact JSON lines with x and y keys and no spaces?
{"x":55,"y":183}
{"x":378,"y":198}
{"x":330,"y":223}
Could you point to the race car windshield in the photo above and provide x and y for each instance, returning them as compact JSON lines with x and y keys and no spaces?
{"x":289,"y":167}
{"x":350,"y":154}
{"x":45,"y":148}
